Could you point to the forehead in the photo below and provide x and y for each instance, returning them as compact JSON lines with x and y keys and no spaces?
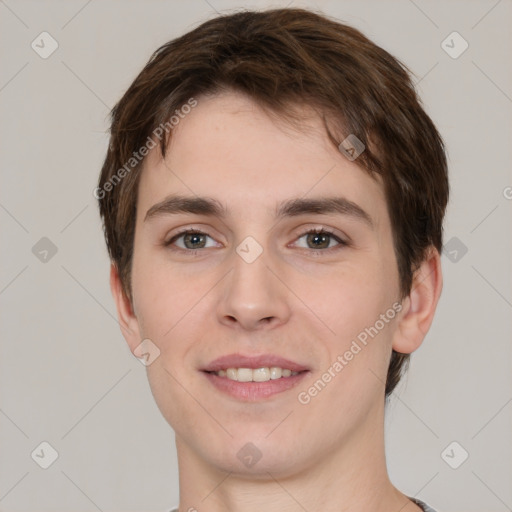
{"x":228,"y":148}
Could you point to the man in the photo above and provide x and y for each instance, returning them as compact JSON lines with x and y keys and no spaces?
{"x":273,"y":198}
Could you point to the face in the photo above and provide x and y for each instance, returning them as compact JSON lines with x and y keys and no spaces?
{"x":254,"y":283}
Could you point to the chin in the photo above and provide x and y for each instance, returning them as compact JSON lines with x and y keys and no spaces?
{"x":256,"y":457}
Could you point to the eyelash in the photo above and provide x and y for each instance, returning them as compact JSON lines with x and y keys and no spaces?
{"x":317,"y":252}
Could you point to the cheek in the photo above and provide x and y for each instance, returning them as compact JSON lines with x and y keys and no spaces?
{"x":166,"y":300}
{"x":351,"y":307}
{"x":172,"y":315}
{"x":353,"y":297}
{"x":163,"y":295}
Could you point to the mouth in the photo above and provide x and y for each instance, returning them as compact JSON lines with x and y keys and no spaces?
{"x":253,"y":391}
{"x":253,"y":378}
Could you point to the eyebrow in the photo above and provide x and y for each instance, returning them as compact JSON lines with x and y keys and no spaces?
{"x":176,"y":204}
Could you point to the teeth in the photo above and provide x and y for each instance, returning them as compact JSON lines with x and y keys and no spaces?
{"x":257,"y":375}
{"x":231,"y":373}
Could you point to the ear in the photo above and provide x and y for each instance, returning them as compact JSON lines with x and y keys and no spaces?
{"x":126,"y":317}
{"x":420,"y":305}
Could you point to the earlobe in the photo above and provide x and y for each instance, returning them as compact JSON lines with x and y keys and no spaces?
{"x":419,"y":307}
{"x":126,"y":317}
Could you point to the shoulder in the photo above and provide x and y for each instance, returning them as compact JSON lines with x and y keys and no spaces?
{"x":422,"y":504}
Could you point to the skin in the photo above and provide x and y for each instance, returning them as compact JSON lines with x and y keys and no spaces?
{"x":325,"y":455}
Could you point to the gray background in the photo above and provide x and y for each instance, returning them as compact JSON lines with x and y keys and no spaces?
{"x":67,"y":376}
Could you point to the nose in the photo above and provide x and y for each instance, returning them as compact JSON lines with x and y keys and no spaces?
{"x":254,"y":295}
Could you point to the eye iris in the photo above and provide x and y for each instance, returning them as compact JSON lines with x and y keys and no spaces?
{"x":316,"y":236}
{"x":192,"y":236}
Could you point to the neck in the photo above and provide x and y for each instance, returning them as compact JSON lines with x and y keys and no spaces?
{"x":351,"y":477}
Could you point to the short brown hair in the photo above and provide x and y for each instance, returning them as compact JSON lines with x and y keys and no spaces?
{"x":283,"y":58}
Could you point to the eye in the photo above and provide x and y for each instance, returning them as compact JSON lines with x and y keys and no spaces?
{"x":318,"y":239}
{"x":192,"y":238}
{"x":321,"y":238}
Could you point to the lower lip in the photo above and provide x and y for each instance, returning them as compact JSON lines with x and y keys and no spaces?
{"x":254,"y":391}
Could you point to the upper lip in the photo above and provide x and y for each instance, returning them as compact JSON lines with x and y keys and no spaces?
{"x":259,"y":361}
